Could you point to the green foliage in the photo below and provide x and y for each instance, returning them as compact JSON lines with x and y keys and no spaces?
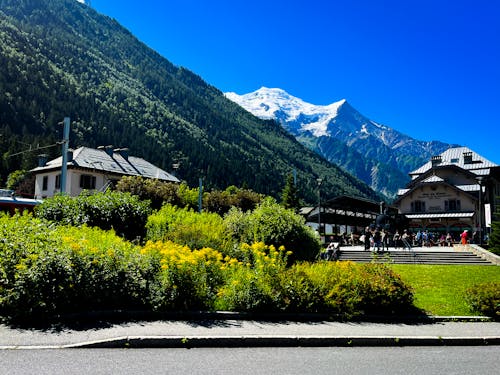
{"x":290,"y":195}
{"x":123,"y":212}
{"x":186,"y":280}
{"x":265,"y":284}
{"x":187,"y":227}
{"x":222,"y":201}
{"x":494,"y":240}
{"x":15,"y":178}
{"x":156,"y":191}
{"x":160,"y":193}
{"x":273,"y":224}
{"x":484,"y":298}
{"x":255,"y":285}
{"x":352,"y":289}
{"x":48,"y":270}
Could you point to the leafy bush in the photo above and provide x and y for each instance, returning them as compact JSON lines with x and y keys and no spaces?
{"x":274,"y":225}
{"x":187,"y":280}
{"x":181,"y":195}
{"x":222,"y":201}
{"x":187,"y":227}
{"x":49,"y":270}
{"x":155,"y":191}
{"x":485,"y":299}
{"x":494,"y":240}
{"x":265,"y":284}
{"x":351,"y":289}
{"x":253,"y":284}
{"x":123,"y":212}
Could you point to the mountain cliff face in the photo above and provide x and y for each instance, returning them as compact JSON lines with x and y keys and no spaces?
{"x":61,"y":58}
{"x":377,"y":154}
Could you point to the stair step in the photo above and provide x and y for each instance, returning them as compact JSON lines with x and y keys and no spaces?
{"x":414,"y":257}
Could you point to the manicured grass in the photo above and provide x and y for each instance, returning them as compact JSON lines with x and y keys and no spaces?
{"x":440,"y":289}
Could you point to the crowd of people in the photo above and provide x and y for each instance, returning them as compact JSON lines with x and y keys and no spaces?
{"x":379,"y":239}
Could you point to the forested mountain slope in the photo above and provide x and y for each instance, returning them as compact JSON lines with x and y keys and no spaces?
{"x":61,"y":58}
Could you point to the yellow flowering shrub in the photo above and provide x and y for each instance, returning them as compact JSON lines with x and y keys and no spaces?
{"x":188,"y":279}
{"x":47,"y":270}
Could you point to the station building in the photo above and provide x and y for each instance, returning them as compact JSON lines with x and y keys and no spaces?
{"x":456,"y":190}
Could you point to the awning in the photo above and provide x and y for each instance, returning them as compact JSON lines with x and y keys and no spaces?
{"x":445,"y":215}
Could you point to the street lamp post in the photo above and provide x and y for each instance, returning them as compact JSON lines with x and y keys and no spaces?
{"x":319,"y":181}
{"x":480,"y":181}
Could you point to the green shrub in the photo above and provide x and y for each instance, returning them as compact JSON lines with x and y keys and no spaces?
{"x":254,"y":284}
{"x":52,"y":270}
{"x":156,"y":191}
{"x":187,"y":227}
{"x":47,"y":269}
{"x":352,"y":289}
{"x":274,"y":225}
{"x":485,"y":299}
{"x":123,"y":212}
{"x":187,"y":280}
{"x":221,"y":202}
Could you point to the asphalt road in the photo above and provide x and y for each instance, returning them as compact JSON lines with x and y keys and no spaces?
{"x":241,"y":361}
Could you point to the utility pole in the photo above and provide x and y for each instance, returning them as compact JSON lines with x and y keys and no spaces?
{"x":200,"y":194}
{"x":65,"y":145}
{"x":319,"y":181}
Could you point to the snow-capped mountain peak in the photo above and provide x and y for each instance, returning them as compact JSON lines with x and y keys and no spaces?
{"x":275,"y":103}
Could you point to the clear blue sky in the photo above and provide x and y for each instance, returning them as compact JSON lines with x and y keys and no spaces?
{"x":428,"y":68}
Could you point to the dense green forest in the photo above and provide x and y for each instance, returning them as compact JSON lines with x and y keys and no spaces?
{"x":60,"y":58}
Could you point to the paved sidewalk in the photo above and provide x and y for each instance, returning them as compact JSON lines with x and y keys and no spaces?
{"x":243,"y":333}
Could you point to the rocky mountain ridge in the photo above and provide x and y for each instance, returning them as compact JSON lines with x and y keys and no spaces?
{"x":377,"y":154}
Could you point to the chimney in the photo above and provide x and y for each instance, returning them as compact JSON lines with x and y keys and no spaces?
{"x":70,"y":155}
{"x":42,"y":160}
{"x":468,"y":157}
{"x":109,"y":150}
{"x":436,"y":160}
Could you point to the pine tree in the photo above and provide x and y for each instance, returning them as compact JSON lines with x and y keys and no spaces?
{"x":290,"y":196}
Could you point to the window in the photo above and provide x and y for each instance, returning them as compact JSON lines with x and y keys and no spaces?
{"x":452,"y":205}
{"x":418,"y":206}
{"x":45,"y":183}
{"x":58,"y":181}
{"x":87,"y":182}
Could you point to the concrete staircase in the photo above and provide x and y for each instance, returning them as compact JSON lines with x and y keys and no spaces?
{"x":415,"y":256}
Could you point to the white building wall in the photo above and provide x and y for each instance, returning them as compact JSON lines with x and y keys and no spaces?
{"x":434,"y":197}
{"x":40,"y":192}
{"x":72,"y":183}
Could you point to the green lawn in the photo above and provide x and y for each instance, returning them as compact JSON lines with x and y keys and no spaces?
{"x":440,"y":289}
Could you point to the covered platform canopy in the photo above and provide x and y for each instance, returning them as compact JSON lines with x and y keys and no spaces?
{"x":347,"y":210}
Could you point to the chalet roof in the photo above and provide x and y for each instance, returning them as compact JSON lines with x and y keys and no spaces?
{"x":432,"y":179}
{"x":462,"y":157}
{"x":117,"y":162}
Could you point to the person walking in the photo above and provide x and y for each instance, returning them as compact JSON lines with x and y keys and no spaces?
{"x":405,"y":239}
{"x":396,"y":239}
{"x":449,"y":239}
{"x":463,"y":237}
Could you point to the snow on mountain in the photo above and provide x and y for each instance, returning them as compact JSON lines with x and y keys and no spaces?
{"x":277,"y":104}
{"x":328,"y":129}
